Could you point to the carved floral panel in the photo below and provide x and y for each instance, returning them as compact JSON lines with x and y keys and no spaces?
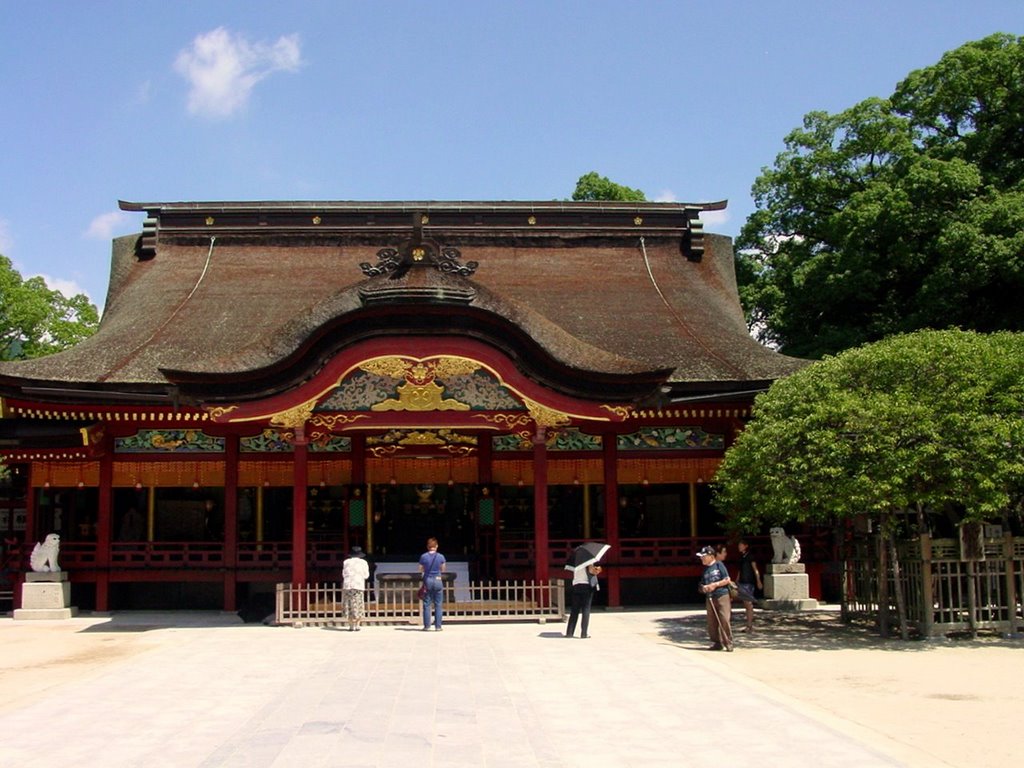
{"x":336,"y":444}
{"x":169,"y":441}
{"x":399,"y":384}
{"x":569,"y":439}
{"x":268,"y":441}
{"x":670,"y":439}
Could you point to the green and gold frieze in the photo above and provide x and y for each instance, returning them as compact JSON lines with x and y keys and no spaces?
{"x":569,"y":439}
{"x":441,"y":438}
{"x":169,"y":441}
{"x":434,"y":384}
{"x":670,"y":439}
{"x":267,"y":441}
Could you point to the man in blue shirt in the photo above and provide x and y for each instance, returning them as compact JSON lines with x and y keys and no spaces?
{"x":432,"y":565}
{"x":714,"y":585}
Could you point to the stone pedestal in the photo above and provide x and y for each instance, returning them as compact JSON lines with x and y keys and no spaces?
{"x":786,"y":588}
{"x":46,"y":596}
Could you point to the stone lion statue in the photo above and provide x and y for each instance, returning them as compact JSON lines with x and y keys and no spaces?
{"x":44,"y":555}
{"x":785,"y":549}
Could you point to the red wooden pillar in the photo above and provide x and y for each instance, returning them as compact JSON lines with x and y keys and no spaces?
{"x":540,"y":504}
{"x":104,"y":528}
{"x":28,"y":536}
{"x":611,"y":514}
{"x":231,"y":444}
{"x":300,"y":480}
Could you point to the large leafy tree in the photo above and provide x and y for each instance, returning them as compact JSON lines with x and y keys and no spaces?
{"x":593,"y":186}
{"x":36,"y":320}
{"x":926,"y":427}
{"x":930,"y":421}
{"x":895,"y":214}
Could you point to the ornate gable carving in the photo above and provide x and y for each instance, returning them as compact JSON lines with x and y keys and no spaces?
{"x":395,"y":262}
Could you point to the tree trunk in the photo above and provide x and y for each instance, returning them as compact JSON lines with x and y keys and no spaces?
{"x":927,"y":593}
{"x":883,"y":585}
{"x":901,"y":603}
{"x":972,"y":599}
{"x":1011,"y":585}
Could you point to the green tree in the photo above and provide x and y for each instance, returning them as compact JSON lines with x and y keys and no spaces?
{"x":592,"y":186}
{"x":896,"y":214}
{"x":35,"y":320}
{"x":929,"y":423}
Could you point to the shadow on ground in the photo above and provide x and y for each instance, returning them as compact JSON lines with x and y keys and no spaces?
{"x":145,"y":621}
{"x":814,"y":631}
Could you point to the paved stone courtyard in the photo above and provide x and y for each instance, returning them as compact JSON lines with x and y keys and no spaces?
{"x":207,"y":690}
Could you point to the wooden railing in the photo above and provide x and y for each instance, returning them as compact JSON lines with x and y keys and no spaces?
{"x":330,"y":555}
{"x":519,"y":553}
{"x":321,"y":604}
{"x":174,"y":554}
{"x":265,"y":554}
{"x":515,"y":556}
{"x":7,"y":571}
{"x":647,"y":551}
{"x":166,"y":554}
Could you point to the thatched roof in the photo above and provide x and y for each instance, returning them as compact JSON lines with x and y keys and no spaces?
{"x":248,"y":295}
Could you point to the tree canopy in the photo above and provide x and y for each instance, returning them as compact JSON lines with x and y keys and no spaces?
{"x":896,"y":214}
{"x":592,"y":186}
{"x":36,"y":320}
{"x":932,"y":420}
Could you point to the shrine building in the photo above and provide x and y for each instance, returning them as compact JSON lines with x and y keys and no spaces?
{"x":274,"y":382}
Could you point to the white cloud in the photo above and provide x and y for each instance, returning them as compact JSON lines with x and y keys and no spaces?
{"x":713,"y":219}
{"x":6,"y":241}
{"x":710,"y":219}
{"x":106,"y":225}
{"x":68,"y":287}
{"x":223,"y":68}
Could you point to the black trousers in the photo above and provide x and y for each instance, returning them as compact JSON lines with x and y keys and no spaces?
{"x":582,"y":597}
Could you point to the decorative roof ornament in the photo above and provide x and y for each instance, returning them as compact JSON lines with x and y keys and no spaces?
{"x":395,"y":262}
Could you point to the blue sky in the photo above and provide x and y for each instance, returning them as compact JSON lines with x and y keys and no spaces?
{"x":173,"y":101}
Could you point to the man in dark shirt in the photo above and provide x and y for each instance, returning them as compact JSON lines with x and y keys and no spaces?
{"x":749,"y":580}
